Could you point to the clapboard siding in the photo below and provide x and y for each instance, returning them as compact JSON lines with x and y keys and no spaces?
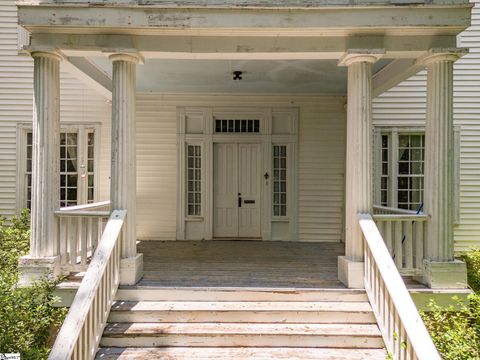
{"x":79,"y":104}
{"x":321,"y":160}
{"x":405,"y":105}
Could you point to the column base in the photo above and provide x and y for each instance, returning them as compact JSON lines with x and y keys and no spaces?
{"x":32,"y":269}
{"x":446,"y":275}
{"x":131,"y":270}
{"x":350,"y":273}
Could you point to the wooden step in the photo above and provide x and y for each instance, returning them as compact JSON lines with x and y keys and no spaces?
{"x":202,"y":353}
{"x":242,"y":312}
{"x":239,"y":334}
{"x":154,"y":293}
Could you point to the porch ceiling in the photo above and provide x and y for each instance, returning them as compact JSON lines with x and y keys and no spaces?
{"x":259,"y":76}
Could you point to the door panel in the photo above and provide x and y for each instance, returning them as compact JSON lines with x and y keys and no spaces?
{"x":249,"y":186}
{"x":237,"y":175}
{"x":225,"y":223}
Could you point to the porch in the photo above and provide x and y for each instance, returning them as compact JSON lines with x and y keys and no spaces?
{"x":248,"y":266}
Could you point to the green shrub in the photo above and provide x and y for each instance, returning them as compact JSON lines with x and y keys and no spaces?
{"x":455,"y":329}
{"x":28,"y":319}
{"x":472,"y":258}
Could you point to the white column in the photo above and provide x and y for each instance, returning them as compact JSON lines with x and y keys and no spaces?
{"x":45,"y":169}
{"x":441,"y":269}
{"x":123,"y":163}
{"x":358,"y":182}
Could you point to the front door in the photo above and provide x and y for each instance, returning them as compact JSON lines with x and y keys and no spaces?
{"x":237,"y":193}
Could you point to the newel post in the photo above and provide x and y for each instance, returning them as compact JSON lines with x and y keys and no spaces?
{"x":123,"y":162}
{"x":440,"y":267}
{"x":358,"y":181}
{"x":43,"y":258}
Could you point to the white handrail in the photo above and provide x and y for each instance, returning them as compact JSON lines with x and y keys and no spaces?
{"x":379,"y":209}
{"x":402,"y":328}
{"x":80,"y":333}
{"x":101,"y":204}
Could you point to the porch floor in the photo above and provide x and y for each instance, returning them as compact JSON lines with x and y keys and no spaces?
{"x":238,"y":263}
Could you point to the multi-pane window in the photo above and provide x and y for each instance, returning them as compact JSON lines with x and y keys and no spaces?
{"x":411,"y":150}
{"x":384,"y":177}
{"x":279,"y":180}
{"x":90,"y":167}
{"x":28,"y":171}
{"x":68,"y":169}
{"x":237,"y":126}
{"x":194,"y":182}
{"x":77,"y":167}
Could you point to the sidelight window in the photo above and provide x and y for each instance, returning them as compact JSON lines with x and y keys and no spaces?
{"x":279,"y":180}
{"x":194,"y":182}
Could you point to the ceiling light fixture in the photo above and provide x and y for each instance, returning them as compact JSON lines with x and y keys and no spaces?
{"x":237,"y":75}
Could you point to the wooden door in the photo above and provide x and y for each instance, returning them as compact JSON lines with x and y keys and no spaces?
{"x":237,"y":193}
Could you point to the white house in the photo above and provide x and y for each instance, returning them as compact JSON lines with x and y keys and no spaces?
{"x":211,"y":120}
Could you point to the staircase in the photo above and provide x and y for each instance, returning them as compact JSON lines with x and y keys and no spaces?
{"x":240,"y":323}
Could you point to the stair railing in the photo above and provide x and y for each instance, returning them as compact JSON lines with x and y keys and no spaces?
{"x":403,"y":331}
{"x":82,"y":329}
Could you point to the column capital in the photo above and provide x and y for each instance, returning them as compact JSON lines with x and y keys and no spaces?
{"x":127,"y":56}
{"x":45,"y":53}
{"x":358,"y":56}
{"x":441,"y":54}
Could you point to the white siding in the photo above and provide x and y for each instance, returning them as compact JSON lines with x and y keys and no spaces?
{"x":321,"y":160}
{"x":405,"y":105}
{"x":78,"y":104}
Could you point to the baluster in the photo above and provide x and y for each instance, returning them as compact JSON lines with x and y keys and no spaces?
{"x":388,"y":236}
{"x":63,"y":239}
{"x":73,"y":240}
{"x":89,"y":233}
{"x":83,"y":240}
{"x":419,"y":236}
{"x":402,"y":339}
{"x":408,"y":244}
{"x":398,"y":244}
{"x":95,"y":232}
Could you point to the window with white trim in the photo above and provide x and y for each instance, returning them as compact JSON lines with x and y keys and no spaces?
{"x":279,"y":180}
{"x":400,"y":166}
{"x":77,"y":166}
{"x":194,"y":180}
{"x":411,"y":154}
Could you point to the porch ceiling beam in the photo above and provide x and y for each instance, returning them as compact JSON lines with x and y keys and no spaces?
{"x":224,"y":21}
{"x":90,"y":74}
{"x":221,"y":47}
{"x":393,"y":74}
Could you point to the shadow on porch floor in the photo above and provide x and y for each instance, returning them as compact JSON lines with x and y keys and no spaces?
{"x":238,"y":263}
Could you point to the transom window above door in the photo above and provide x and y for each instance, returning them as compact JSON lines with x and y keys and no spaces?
{"x":248,"y":126}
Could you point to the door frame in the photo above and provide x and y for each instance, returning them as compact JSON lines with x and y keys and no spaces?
{"x":196,"y":126}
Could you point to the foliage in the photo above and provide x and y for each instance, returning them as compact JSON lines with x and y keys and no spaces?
{"x":472,"y":258}
{"x":28,"y":318}
{"x":455,"y":329}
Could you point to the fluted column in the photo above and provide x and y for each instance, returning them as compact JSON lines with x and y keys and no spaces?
{"x":123,"y":163}
{"x":358,"y":191}
{"x":45,"y":169}
{"x":439,"y":176}
{"x":439,"y":171}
